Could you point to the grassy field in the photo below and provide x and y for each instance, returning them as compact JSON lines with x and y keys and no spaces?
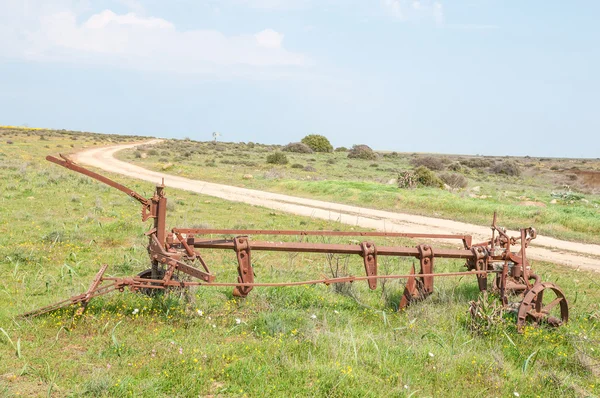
{"x":57,"y":228}
{"x":553,"y":195}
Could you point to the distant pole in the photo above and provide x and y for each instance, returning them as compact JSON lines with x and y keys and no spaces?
{"x":215,"y":136}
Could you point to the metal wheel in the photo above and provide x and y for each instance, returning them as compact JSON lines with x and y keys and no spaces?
{"x":544,"y":303}
{"x":147,"y":274}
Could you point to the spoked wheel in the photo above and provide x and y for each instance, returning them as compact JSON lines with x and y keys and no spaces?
{"x":147,"y":274}
{"x":544,"y":303}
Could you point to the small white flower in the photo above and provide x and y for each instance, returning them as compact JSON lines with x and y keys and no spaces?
{"x":209,"y":318}
{"x":336,"y":312}
{"x":406,"y":386}
{"x":238,"y":321}
{"x":200,"y":312}
{"x":313,"y":316}
{"x":214,"y":326}
{"x":135,"y":311}
{"x":516,"y":394}
{"x":431,"y":354}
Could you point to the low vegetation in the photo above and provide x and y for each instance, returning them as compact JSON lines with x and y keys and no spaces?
{"x":296,"y":341}
{"x":317,"y":143}
{"x":277,"y":158}
{"x":363,"y":152}
{"x":297,"y":147}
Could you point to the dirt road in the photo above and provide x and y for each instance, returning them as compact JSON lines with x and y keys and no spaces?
{"x":577,"y":255}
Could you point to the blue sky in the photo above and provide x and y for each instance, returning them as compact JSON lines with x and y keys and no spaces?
{"x":474,"y":76}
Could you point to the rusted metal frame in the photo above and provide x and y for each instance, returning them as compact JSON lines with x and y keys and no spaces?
{"x":72,"y":300}
{"x":191,"y":252}
{"x":161,"y":283}
{"x":419,"y":288}
{"x":409,"y":290}
{"x":332,"y":248}
{"x":369,"y":254}
{"x":237,"y":232}
{"x":426,"y":258}
{"x":524,"y":262}
{"x":479,"y":262}
{"x":93,"y":286}
{"x":159,"y":255}
{"x":241,"y":245}
{"x":160,"y":222}
{"x":69,"y":164}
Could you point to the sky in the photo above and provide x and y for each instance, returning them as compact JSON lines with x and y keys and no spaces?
{"x":488,"y":77}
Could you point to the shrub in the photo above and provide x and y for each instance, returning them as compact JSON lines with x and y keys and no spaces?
{"x":297,"y":147}
{"x":507,"y":167}
{"x":373,"y":165}
{"x":277,"y":158}
{"x":317,"y":143}
{"x":331,"y":161}
{"x":297,"y":166}
{"x":456,"y":166}
{"x":341,"y":149}
{"x":392,"y":155}
{"x":432,"y":163}
{"x":153,"y":152}
{"x":250,"y":144}
{"x":137,"y":154}
{"x":362,"y":152}
{"x":477,"y":163}
{"x":407,"y":179}
{"x":454,"y":180}
{"x":310,"y":168}
{"x":427,"y":178}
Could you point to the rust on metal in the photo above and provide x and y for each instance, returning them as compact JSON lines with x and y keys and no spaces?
{"x":369,"y":255}
{"x":178,"y":251}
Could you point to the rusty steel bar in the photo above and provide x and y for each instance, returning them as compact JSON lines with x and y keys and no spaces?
{"x":207,"y":231}
{"x":73,"y":166}
{"x":331,"y":248}
{"x":327,"y":281}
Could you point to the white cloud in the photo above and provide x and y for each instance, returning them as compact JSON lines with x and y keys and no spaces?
{"x":273,"y":4}
{"x":269,"y":38}
{"x":415,"y":10}
{"x":143,"y":42}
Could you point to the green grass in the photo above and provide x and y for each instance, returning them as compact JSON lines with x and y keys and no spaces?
{"x":57,"y":227}
{"x":354,"y":181}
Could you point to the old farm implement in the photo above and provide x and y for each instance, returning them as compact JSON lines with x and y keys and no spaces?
{"x":502,"y":257}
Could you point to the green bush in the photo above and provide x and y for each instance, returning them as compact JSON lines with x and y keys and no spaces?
{"x":362,"y":152}
{"x":297,"y":166}
{"x":341,"y":149}
{"x":427,"y":178}
{"x":317,"y":143}
{"x":297,"y":147}
{"x":277,"y":158}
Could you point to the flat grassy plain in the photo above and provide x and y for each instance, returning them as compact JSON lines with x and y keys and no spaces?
{"x":57,"y":228}
{"x":553,"y":195}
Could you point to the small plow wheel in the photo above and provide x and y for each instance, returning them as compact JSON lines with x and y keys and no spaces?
{"x":147,"y":274}
{"x":544,"y":303}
